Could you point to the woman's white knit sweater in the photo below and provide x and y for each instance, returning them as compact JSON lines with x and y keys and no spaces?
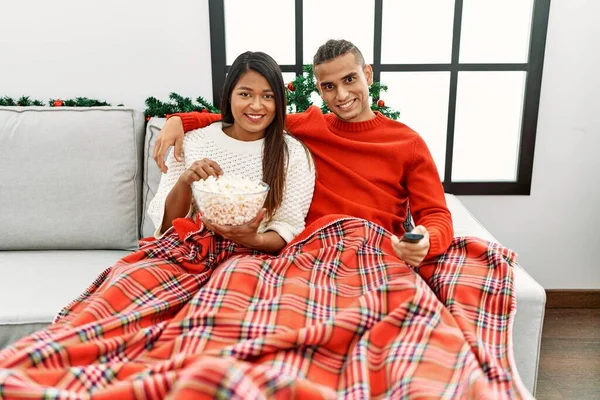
{"x":243,"y":159}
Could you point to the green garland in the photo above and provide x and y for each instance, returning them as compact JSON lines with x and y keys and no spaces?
{"x":154,"y":107}
{"x":177,"y":104}
{"x":300,"y":90}
{"x":26,"y":101}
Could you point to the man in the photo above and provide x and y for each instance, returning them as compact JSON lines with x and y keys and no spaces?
{"x":368,"y":166}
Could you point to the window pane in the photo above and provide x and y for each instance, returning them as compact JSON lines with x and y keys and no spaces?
{"x":488,"y":126}
{"x":353,"y":20}
{"x":495,"y":31}
{"x":417,"y":32}
{"x":248,"y":28}
{"x":288,"y":77}
{"x":422,"y":99}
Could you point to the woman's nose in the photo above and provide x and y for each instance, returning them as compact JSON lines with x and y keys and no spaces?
{"x":256,"y":103}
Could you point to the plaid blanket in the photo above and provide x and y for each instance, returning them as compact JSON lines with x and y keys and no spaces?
{"x":335,"y":315}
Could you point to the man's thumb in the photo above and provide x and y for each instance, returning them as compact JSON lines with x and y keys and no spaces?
{"x":419,"y":229}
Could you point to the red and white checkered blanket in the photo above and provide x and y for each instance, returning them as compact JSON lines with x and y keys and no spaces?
{"x":335,"y":315}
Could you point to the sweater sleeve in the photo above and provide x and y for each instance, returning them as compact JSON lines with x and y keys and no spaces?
{"x":291,"y":120}
{"x":195,"y":120}
{"x":427,"y":201}
{"x":289,"y":219}
{"x":156,"y":208}
{"x":296,"y":121}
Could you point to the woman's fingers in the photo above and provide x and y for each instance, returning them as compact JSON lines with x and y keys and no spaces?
{"x":209,"y":171}
{"x":255,"y":223}
{"x":215,"y":166}
{"x":205,"y":168}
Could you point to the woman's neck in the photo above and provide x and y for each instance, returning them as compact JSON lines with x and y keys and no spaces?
{"x":236,"y":132}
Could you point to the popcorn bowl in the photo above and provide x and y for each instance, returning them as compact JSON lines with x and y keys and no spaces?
{"x":230,"y":204}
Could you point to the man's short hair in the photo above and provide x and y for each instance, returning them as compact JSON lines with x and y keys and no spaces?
{"x":335,"y":48}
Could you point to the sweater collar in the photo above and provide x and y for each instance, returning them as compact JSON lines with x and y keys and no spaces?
{"x":346,"y":126}
{"x":224,"y":141}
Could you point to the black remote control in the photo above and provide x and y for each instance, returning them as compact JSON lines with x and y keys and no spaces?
{"x":412,"y":237}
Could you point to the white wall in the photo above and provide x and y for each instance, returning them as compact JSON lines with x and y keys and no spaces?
{"x":556,"y":230}
{"x":112,"y":50}
{"x":125,"y":51}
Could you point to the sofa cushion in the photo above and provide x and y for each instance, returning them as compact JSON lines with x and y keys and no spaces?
{"x":151,"y":172}
{"x":71,"y":177}
{"x":36,"y":285}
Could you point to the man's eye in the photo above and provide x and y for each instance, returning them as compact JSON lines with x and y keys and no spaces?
{"x":350,"y":79}
{"x":328,"y":87}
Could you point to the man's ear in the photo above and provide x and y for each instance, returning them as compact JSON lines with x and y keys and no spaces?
{"x":319,"y":89}
{"x":368,"y":70}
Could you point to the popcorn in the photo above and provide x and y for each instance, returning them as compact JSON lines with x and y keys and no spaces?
{"x":229,"y":200}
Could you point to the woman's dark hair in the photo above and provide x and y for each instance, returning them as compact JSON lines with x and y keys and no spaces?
{"x":275,"y":152}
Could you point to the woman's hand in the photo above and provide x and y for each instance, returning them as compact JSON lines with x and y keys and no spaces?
{"x":200,"y":170}
{"x":171,"y":134}
{"x":412,"y":253}
{"x":247,"y":235}
{"x":177,"y":204}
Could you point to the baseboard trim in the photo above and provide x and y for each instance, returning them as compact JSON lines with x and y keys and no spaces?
{"x":573,"y":298}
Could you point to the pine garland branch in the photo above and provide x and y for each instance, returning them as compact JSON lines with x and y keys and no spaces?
{"x":176,"y":104}
{"x":26,"y":101}
{"x":7,"y":102}
{"x":78,"y":102}
{"x":208,"y":106}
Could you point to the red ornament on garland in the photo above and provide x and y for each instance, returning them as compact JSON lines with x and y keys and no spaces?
{"x":380,"y":103}
{"x":58,"y":103}
{"x":204,"y":110}
{"x":147,"y":118}
{"x":291,"y":87}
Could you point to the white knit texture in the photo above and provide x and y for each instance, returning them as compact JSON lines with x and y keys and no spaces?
{"x":243,"y":159}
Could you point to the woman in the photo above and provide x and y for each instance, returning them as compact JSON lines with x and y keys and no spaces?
{"x":154,"y":288}
{"x":249,"y":142}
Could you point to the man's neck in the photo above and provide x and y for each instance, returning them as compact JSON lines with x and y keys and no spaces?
{"x":359,"y":118}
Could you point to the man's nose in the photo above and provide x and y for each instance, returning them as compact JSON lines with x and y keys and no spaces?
{"x":342,"y":93}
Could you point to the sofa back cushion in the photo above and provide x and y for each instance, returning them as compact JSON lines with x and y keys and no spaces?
{"x":70,"y":178}
{"x":151,"y":173}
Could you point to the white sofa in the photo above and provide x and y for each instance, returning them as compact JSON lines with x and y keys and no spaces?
{"x":71,"y":178}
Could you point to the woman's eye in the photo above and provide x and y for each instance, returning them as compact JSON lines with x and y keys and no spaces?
{"x":269,"y":96}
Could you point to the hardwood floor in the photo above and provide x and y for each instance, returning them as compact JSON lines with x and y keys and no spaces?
{"x":570,"y":355}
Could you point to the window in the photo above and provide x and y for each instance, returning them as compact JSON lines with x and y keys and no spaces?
{"x":465,"y":74}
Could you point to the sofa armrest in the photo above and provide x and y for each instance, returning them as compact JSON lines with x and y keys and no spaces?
{"x":531,"y":299}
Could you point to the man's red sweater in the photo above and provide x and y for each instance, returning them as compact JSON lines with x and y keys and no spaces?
{"x":371,"y":170}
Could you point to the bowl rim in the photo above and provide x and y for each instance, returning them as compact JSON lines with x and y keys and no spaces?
{"x":265,"y":189}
